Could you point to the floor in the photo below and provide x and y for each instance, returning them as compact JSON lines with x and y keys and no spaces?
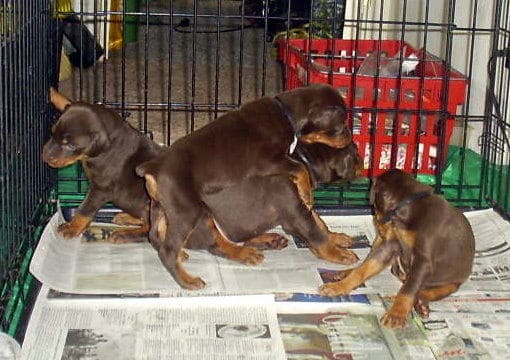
{"x":240,"y":57}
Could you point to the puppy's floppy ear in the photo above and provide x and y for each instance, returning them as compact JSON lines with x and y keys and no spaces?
{"x":100,"y":142}
{"x":326,"y":119}
{"x":327,"y":114}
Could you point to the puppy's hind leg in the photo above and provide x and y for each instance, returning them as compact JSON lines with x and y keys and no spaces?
{"x":224,"y":247}
{"x":425,"y":296}
{"x":171,"y":252}
{"x":181,"y":214}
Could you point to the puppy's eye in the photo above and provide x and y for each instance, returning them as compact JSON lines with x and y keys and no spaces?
{"x":69,"y":146}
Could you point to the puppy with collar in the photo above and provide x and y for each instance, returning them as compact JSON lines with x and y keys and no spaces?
{"x":428,"y":243}
{"x":253,"y":141}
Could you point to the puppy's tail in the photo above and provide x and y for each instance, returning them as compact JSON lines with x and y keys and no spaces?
{"x":141,"y":169}
{"x":146,"y":171}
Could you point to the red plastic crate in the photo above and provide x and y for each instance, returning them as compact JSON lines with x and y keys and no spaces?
{"x":312,"y":61}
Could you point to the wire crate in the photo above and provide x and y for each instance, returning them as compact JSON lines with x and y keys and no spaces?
{"x":385,"y":111}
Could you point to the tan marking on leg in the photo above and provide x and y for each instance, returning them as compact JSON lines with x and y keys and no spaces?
{"x":183,"y":255}
{"x":244,"y":254}
{"x":187,"y":280}
{"x":74,"y":228}
{"x":126,"y":219}
{"x":304,"y":186}
{"x":151,"y":186}
{"x":438,"y":292}
{"x":396,"y":316}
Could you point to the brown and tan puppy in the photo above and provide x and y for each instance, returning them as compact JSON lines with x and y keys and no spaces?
{"x":109,"y":150}
{"x":245,"y":211}
{"x":253,"y":141}
{"x":428,"y":242}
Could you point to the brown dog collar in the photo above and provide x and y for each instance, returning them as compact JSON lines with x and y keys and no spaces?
{"x":406,"y":201}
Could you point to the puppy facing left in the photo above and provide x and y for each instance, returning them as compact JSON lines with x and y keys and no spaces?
{"x":109,"y":150}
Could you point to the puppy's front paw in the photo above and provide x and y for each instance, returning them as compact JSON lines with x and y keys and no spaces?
{"x":70,"y":230}
{"x":394,"y":319}
{"x":195,"y":283}
{"x":249,"y":255}
{"x":334,"y":289}
{"x":74,"y":228}
{"x":335,"y":254}
{"x":340,"y":239}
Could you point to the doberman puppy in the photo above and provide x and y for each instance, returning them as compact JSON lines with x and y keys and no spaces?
{"x":428,"y":242}
{"x":109,"y":149}
{"x":250,"y":142}
{"x":245,"y":211}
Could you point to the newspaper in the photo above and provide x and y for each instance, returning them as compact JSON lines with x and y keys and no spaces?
{"x":215,"y":328}
{"x":122,"y":314}
{"x":92,"y":265}
{"x":257,"y":327}
{"x":491,"y":268}
{"x":470,"y":326}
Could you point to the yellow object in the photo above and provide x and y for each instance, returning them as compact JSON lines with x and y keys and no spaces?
{"x":66,"y":69}
{"x":63,"y":6}
{"x":115,"y":33}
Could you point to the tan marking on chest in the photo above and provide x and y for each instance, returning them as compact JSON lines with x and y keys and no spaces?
{"x":389,"y":231}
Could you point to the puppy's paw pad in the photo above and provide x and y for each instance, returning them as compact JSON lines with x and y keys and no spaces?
{"x":278,"y":242}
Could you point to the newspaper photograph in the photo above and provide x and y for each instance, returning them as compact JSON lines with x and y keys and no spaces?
{"x":332,"y":335}
{"x":135,"y":329}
